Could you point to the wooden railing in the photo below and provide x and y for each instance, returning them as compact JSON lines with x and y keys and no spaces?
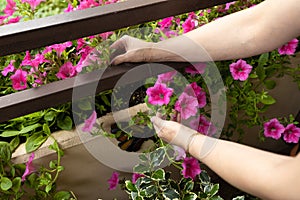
{"x":15,"y":38}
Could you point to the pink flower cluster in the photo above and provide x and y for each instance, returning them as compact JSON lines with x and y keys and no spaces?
{"x":274,"y":129}
{"x":8,"y":11}
{"x":289,"y":48}
{"x":240,"y":70}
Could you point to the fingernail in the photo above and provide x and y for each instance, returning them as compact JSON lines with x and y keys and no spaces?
{"x":152,"y":119}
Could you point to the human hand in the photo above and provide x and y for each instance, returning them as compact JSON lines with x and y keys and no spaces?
{"x":130,"y":49}
{"x":173,"y":132}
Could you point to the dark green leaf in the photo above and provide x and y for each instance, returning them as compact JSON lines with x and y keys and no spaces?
{"x":159,"y":174}
{"x":204,"y":177}
{"x":65,"y":123}
{"x":150,"y":191}
{"x":16,"y":184}
{"x":130,"y":186}
{"x":143,"y":157}
{"x":171,"y":194}
{"x":34,"y":141}
{"x":270,"y":84}
{"x":261,"y":72}
{"x":190,"y":196}
{"x":214,"y":190}
{"x":140,"y":169}
{"x":29,"y":128}
{"x":267,"y":100}
{"x":5,"y":152}
{"x":49,"y":116}
{"x":263,"y":59}
{"x":62,"y":195}
{"x":6,"y":183}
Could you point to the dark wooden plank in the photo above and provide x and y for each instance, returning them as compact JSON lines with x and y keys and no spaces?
{"x":37,"y":33}
{"x":56,"y":93}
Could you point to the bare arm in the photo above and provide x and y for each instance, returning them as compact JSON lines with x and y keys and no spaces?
{"x":249,"y":32}
{"x":263,"y":174}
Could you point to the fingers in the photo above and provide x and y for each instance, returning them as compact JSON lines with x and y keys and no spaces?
{"x":158,"y":123}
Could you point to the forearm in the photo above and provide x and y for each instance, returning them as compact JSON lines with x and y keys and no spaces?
{"x":252,"y":170}
{"x":242,"y":34}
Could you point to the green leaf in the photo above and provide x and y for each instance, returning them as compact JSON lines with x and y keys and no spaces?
{"x":150,"y":191}
{"x":9,"y":133}
{"x":46,"y":129}
{"x":48,"y":188}
{"x":204,"y":177}
{"x":239,"y":198}
{"x":143,"y":157}
{"x":29,"y":128}
{"x":65,"y":123}
{"x":214,"y":190}
{"x":16,"y":184}
{"x":171,"y":194}
{"x":140,"y":169}
{"x":159,"y":174}
{"x":85,"y":105}
{"x":62,"y":195}
{"x":263,"y":59}
{"x":6,"y":183}
{"x":157,"y":156}
{"x":190,"y":196}
{"x":34,"y":141}
{"x":49,"y":116}
{"x":130,"y":186}
{"x":189,"y":185}
{"x":270,"y":84}
{"x":260,"y":72}
{"x":14,"y":143}
{"x":5,"y":152}
{"x":267,"y":100}
{"x":53,"y":164}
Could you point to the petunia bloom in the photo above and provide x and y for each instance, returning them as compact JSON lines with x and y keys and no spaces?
{"x":89,"y":122}
{"x":33,"y":3}
{"x":273,"y":129}
{"x":194,"y":90}
{"x":227,"y":6}
{"x":189,"y":24}
{"x":179,"y":153}
{"x":19,"y":80}
{"x":202,"y":125}
{"x":291,"y":133}
{"x":67,"y":70}
{"x":240,"y":70}
{"x":191,"y":168}
{"x":9,"y":68}
{"x":159,"y":94}
{"x":289,"y":48}
{"x":10,"y":8}
{"x":198,"y":68}
{"x":29,"y":167}
{"x":165,"y":23}
{"x":135,"y":177}
{"x":187,"y":105}
{"x":113,"y":181}
{"x":166,"y":77}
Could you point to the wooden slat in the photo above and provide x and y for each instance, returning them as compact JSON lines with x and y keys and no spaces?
{"x":37,"y":33}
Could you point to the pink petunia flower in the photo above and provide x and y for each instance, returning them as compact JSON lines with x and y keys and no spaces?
{"x":291,"y":133}
{"x":198,"y":68}
{"x":113,"y":181}
{"x":27,"y":60}
{"x":69,"y":8}
{"x":33,"y":3}
{"x":273,"y":129}
{"x":179,"y":153}
{"x":135,"y":177}
{"x":227,"y":6}
{"x":89,"y":122}
{"x":59,"y":48}
{"x":84,"y":4}
{"x":10,"y":68}
{"x":106,"y":35}
{"x":159,"y":94}
{"x":67,"y":70}
{"x":187,"y":105}
{"x":10,"y":8}
{"x":39,"y":59}
{"x":240,"y":70}
{"x":14,"y":20}
{"x":189,"y":24}
{"x":191,"y":168}
{"x":165,"y":23}
{"x":194,"y":90}
{"x":289,"y":48}
{"x":19,"y":80}
{"x":29,"y":167}
{"x":166,"y":77}
{"x":2,"y":18}
{"x":202,"y":125}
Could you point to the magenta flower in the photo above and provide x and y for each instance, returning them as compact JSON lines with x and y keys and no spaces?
{"x":66,"y":71}
{"x":135,"y":177}
{"x":106,"y":35}
{"x":202,"y":125}
{"x":198,"y":68}
{"x":113,"y":181}
{"x":14,"y":20}
{"x":179,"y":153}
{"x":187,"y":105}
{"x":166,"y":77}
{"x":29,"y":167}
{"x":165,"y":23}
{"x":33,"y":3}
{"x":10,"y":68}
{"x":2,"y":18}
{"x":240,"y":70}
{"x":289,"y":48}
{"x":10,"y":8}
{"x":227,"y":6}
{"x":159,"y":94}
{"x":191,"y":168}
{"x":89,"y":122}
{"x":19,"y":80}
{"x":273,"y":129}
{"x":27,"y":60}
{"x":188,"y":25}
{"x":59,"y":48}
{"x":291,"y":134}
{"x":196,"y":91}
{"x":69,"y":8}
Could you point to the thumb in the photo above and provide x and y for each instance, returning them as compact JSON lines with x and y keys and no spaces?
{"x":158,"y":123}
